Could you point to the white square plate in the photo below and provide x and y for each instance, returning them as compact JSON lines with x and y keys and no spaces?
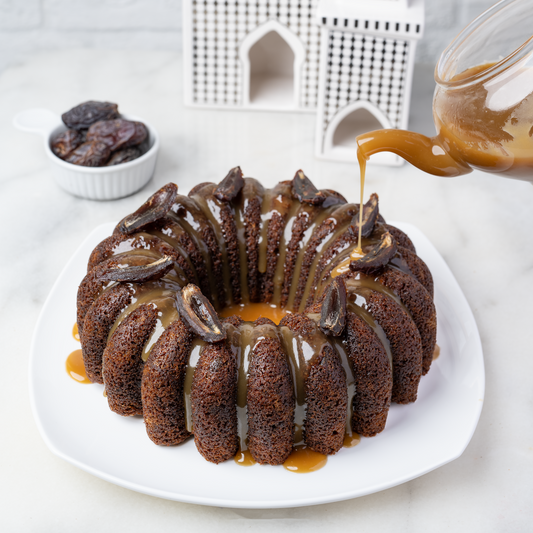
{"x":77,"y":425}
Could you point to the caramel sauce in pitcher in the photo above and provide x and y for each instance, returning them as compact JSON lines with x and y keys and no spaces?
{"x":483,"y":121}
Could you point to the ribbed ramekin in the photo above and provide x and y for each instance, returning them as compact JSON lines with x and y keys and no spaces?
{"x":94,"y":183}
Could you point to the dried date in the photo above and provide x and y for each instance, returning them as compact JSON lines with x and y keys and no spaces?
{"x":84,"y":115}
{"x":230,"y":186}
{"x":90,"y":154}
{"x":304,"y":190}
{"x":333,"y":313}
{"x":118,"y":134}
{"x":378,"y":256}
{"x":67,"y":141}
{"x":123,"y":156}
{"x":196,"y":310}
{"x":97,"y":136}
{"x":137,"y":273}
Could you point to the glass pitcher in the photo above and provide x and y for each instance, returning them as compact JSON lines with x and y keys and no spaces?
{"x":483,"y":102}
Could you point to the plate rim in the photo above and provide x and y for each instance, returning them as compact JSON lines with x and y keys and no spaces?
{"x":456,"y":452}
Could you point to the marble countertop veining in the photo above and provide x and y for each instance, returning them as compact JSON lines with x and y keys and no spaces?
{"x":480,"y":224}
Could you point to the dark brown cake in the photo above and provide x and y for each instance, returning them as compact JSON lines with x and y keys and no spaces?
{"x":213,"y":400}
{"x":373,"y":386}
{"x":361,"y":334}
{"x":270,"y":398}
{"x":162,"y":386}
{"x":325,"y":387}
{"x":122,"y":365}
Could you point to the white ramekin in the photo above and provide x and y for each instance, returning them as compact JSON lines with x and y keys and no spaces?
{"x":94,"y":183}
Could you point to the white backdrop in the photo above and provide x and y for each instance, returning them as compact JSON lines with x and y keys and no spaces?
{"x":32,"y":25}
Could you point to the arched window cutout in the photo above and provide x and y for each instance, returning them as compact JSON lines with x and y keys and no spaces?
{"x":358,"y":121}
{"x":354,"y":119}
{"x":271,"y":72}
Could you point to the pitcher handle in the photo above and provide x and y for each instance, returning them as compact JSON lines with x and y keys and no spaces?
{"x":41,"y":121}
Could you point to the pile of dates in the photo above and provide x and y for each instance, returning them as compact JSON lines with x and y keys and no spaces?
{"x":98,"y":137}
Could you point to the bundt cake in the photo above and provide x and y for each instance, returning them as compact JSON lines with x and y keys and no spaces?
{"x":359,"y":331}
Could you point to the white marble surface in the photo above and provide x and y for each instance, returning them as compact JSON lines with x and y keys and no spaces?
{"x":480,"y":224}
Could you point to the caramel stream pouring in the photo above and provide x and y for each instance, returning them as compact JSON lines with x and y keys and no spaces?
{"x":483,"y":102}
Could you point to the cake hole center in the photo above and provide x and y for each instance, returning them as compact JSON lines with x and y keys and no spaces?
{"x":250,"y":312}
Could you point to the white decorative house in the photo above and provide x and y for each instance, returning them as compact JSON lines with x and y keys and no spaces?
{"x":260,"y":54}
{"x":366,"y":71}
{"x":352,"y":60}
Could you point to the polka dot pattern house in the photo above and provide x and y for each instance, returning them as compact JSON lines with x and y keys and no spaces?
{"x":351,"y":61}
{"x":218,"y":31}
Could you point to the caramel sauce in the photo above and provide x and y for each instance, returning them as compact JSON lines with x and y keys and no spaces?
{"x":75,"y":332}
{"x":340,"y":345}
{"x":279,"y":275}
{"x":159,"y":293}
{"x":188,"y":216}
{"x":75,"y":367}
{"x":344,"y":267}
{"x":358,"y":252}
{"x":211,"y":208}
{"x":194,"y":355}
{"x":303,"y":460}
{"x":356,"y":303}
{"x":252,"y":311}
{"x":362,"y":172}
{"x":244,"y":458}
{"x":351,"y":440}
{"x":243,"y":340}
{"x":300,"y":351}
{"x":436,"y":352}
{"x":341,"y":219}
{"x":266,"y":215}
{"x":478,"y":126}
{"x":316,"y":220}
